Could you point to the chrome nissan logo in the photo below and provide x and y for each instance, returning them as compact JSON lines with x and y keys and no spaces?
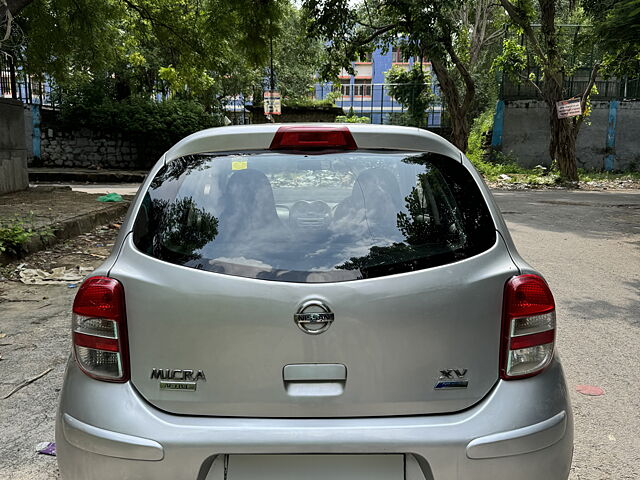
{"x":313,"y":317}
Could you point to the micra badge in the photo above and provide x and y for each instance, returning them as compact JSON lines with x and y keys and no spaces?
{"x":452,"y":378}
{"x":182,"y":380}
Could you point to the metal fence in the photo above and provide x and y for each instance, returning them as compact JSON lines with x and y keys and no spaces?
{"x":607,"y":88}
{"x":374,"y":101}
{"x":579,"y":52}
{"x":16,"y":83}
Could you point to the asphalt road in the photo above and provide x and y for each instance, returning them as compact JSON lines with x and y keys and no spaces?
{"x":587,"y":244}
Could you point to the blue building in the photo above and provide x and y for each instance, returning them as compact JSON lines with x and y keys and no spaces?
{"x":367,"y":92}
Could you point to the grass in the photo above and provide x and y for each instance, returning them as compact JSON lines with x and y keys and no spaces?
{"x":542,"y":176}
{"x":16,"y":232}
{"x":607,"y":176}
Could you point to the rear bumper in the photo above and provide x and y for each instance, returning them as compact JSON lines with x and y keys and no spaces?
{"x":522,"y":429}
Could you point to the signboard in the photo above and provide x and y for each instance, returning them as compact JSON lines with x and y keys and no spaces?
{"x":272,"y":104}
{"x":569,"y":108}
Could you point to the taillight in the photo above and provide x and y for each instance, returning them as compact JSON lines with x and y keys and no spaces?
{"x":295,"y":137}
{"x":99,"y":330}
{"x":528,"y":327}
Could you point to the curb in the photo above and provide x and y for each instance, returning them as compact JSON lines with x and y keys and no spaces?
{"x":45,"y":175}
{"x":68,"y":229}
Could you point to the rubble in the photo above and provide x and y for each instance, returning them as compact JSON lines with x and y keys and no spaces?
{"x":59,"y":275}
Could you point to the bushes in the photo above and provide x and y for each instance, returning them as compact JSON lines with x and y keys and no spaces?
{"x":499,"y":163}
{"x":481,"y":125}
{"x":167,"y":121}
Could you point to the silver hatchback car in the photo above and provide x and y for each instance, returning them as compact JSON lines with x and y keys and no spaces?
{"x":314,"y":302}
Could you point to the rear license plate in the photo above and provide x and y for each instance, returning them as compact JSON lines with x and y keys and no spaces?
{"x":308,"y":467}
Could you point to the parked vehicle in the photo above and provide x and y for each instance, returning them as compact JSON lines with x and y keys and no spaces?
{"x":314,"y":301}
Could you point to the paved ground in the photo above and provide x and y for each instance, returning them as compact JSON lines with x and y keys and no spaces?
{"x":56,"y":213}
{"x":586,"y":243}
{"x":44,"y":205}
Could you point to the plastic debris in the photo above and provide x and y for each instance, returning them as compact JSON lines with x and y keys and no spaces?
{"x":110,"y":197}
{"x":59,"y":275}
{"x":72,"y":285}
{"x":46,"y":448}
{"x":504,"y":176}
{"x":589,"y":390}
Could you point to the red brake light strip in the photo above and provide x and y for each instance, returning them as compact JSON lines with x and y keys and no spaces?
{"x":98,"y":343}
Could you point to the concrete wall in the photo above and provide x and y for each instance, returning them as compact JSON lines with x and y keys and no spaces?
{"x":28,"y":132}
{"x":525,"y":135}
{"x":628,"y":136}
{"x":13,"y":149}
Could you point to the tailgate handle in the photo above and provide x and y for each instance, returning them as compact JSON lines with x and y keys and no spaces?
{"x":315,"y":372}
{"x":314,"y":379}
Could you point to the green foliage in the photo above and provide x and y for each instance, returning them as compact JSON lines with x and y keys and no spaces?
{"x":479,"y":129}
{"x":492,"y":171}
{"x":412,"y":88}
{"x":617,"y":25}
{"x":607,"y":176}
{"x":458,"y":37}
{"x":308,"y":103}
{"x":512,"y":61}
{"x":297,"y":57}
{"x":15,"y":233}
{"x":167,"y":121}
{"x":203,"y":50}
{"x":352,"y":118}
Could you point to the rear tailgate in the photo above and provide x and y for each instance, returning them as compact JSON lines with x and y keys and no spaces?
{"x":397,"y":336}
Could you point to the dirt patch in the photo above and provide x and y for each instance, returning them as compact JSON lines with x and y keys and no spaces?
{"x":86,"y":250}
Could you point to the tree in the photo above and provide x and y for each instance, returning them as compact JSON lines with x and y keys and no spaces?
{"x":617,"y":25}
{"x":297,"y":57}
{"x":200,"y":48}
{"x":547,"y":53}
{"x":456,"y":36}
{"x":413,"y":89}
{"x":9,"y":9}
{"x":203,"y":50}
{"x":557,"y":59}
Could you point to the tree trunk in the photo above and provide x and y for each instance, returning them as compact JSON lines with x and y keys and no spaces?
{"x":563,"y":131}
{"x":563,"y":137}
{"x":457,"y":113}
{"x":459,"y":128}
{"x":562,"y":145}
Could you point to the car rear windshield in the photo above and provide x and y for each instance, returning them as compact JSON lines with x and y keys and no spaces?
{"x":313,"y":218}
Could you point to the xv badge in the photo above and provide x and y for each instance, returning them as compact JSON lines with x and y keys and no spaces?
{"x":452,"y":378}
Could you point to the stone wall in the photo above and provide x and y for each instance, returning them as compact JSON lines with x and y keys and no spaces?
{"x":61,"y":146}
{"x":525,"y":135}
{"x":86,"y":149}
{"x":13,"y":149}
